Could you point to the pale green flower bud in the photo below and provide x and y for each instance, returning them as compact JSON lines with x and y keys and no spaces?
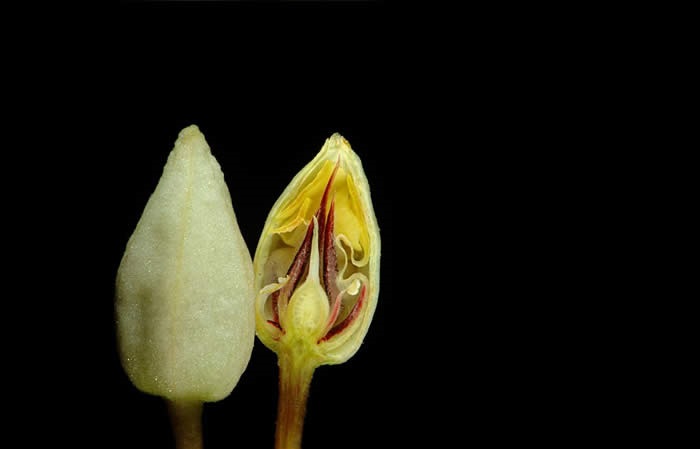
{"x":184,"y":292}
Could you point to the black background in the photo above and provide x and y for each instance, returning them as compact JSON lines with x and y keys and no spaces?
{"x":450,"y":132}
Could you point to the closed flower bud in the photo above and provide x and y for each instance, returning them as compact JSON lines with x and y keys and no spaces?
{"x":184,"y":290}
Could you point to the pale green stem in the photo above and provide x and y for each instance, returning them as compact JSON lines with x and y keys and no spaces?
{"x":186,"y":420}
{"x":295,"y":375}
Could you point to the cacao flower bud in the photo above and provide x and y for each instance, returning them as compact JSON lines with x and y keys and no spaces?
{"x":184,"y":289}
{"x":317,"y":260}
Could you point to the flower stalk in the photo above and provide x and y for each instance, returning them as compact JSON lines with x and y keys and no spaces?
{"x":186,"y":421}
{"x":295,"y":373}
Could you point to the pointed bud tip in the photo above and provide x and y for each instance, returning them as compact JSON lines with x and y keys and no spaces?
{"x":339,"y":142}
{"x":192,"y":130}
{"x":190,"y":137}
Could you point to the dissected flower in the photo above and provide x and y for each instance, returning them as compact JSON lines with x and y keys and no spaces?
{"x":317,"y":267}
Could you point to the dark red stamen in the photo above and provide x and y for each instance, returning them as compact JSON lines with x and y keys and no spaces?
{"x":321,"y":214}
{"x":330,"y":261}
{"x":335,"y":311}
{"x":274,"y":297}
{"x":301,"y":259}
{"x":350,"y":318}
{"x":275,"y":323}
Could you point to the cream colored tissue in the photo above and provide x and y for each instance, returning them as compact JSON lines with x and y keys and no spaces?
{"x":184,"y":292}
